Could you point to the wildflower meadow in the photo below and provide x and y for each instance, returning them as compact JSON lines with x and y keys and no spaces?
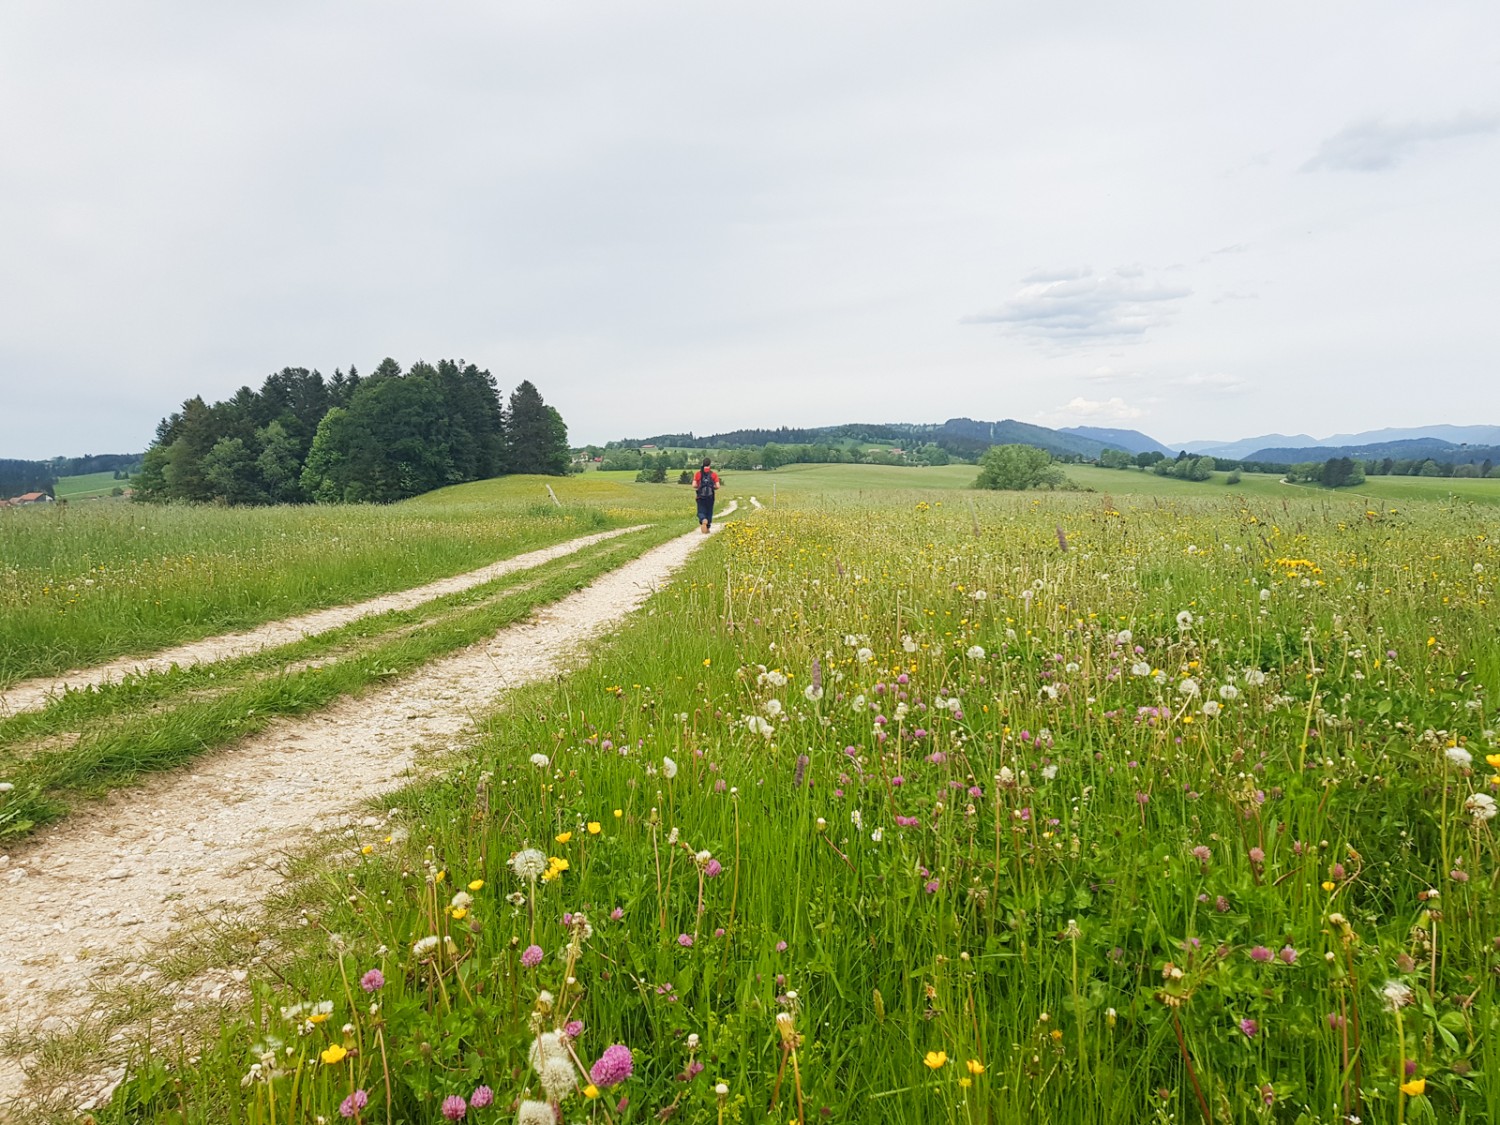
{"x":932,"y":809}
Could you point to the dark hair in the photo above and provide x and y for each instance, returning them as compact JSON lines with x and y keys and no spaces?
{"x":705,"y":462}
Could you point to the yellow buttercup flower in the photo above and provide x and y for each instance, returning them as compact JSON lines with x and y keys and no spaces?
{"x":975,"y":1066}
{"x":619,"y":813}
{"x":595,"y":828}
{"x":477,"y":885}
{"x":1414,"y":1087}
{"x":591,"y":1091}
{"x":1493,"y":759}
{"x":1328,"y":886}
{"x":563,"y":837}
{"x":936,"y":1060}
{"x":334,"y":1054}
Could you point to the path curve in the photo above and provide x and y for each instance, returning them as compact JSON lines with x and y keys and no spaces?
{"x":32,"y":695}
{"x":94,"y":896}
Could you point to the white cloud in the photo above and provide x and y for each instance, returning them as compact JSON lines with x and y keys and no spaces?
{"x":1082,"y":307}
{"x":1081,"y":410}
{"x":1107,"y":374}
{"x":1375,"y":146}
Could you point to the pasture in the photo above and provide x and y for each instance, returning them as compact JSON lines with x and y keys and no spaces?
{"x":891,"y":808}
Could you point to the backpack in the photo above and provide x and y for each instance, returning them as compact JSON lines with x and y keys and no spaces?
{"x":705,"y":484}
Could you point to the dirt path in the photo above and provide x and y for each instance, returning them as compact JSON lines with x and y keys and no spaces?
{"x":87,"y":905}
{"x":31,"y":695}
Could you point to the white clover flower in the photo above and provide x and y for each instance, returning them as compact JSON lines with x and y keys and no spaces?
{"x":1228,"y":692}
{"x":1459,"y":756}
{"x":540,"y":761}
{"x":1006,"y":777}
{"x":1397,"y":995}
{"x":1184,"y":620}
{"x":1212,"y":708}
{"x":529,"y":863}
{"x":877,"y":835}
{"x":1481,"y":806}
{"x":976,"y":652}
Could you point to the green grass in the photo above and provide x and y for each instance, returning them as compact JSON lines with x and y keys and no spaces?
{"x":1152,"y":878}
{"x":89,"y":486}
{"x":157,"y":722}
{"x":83,"y":583}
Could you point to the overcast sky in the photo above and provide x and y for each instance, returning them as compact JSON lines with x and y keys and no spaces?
{"x":1200,"y":220}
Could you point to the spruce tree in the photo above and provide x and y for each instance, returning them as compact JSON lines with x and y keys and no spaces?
{"x":537,"y":439}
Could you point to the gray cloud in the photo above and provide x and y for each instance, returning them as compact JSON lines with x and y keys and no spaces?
{"x":1376,"y":146}
{"x":1080,"y":306}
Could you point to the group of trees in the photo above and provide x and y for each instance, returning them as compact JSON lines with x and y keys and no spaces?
{"x":20,"y":477}
{"x":1018,"y":467}
{"x":772,"y":455}
{"x":380,"y":437}
{"x":1428,"y":467}
{"x":1335,"y":472}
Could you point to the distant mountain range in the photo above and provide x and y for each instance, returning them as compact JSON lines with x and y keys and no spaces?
{"x":1390,"y":442}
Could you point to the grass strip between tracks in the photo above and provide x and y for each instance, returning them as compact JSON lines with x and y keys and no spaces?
{"x":48,"y":786}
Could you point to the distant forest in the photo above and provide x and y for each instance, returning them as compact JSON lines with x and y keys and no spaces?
{"x":19,"y":477}
{"x":381,"y":437}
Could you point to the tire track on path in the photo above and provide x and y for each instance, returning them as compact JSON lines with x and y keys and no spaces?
{"x":32,"y":695}
{"x":88,"y":903}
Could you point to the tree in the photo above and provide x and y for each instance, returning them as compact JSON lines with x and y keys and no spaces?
{"x":279,"y":464}
{"x":1017,"y":467}
{"x":537,"y":439}
{"x":1115,"y":459}
{"x":230,"y":470}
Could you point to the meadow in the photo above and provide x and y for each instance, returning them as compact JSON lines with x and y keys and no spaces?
{"x":85,"y":582}
{"x":934,"y":807}
{"x":88,"y":486}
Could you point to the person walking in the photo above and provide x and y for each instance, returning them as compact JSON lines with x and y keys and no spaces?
{"x":705,"y":484}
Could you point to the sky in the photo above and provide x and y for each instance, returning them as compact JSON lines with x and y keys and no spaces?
{"x":1202,"y":221}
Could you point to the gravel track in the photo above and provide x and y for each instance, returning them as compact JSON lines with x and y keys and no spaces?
{"x":93,"y":901}
{"x":32,"y":695}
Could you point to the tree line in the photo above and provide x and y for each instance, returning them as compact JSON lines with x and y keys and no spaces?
{"x":654,"y":466}
{"x":352,"y":438}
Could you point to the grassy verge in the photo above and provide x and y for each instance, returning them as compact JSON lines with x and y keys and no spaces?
{"x":925,"y":816}
{"x":82,"y":583}
{"x":199,"y":709}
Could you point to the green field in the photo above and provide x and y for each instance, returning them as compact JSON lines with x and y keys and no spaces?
{"x":90,"y":486}
{"x":896,"y":809}
{"x":82,"y":583}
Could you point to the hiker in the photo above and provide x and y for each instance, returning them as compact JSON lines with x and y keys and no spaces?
{"x":705,"y":484}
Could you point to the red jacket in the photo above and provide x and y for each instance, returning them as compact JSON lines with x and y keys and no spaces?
{"x":698,"y":478}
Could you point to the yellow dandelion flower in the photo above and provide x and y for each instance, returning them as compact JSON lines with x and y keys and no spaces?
{"x":936,"y":1060}
{"x":336,"y":1054}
